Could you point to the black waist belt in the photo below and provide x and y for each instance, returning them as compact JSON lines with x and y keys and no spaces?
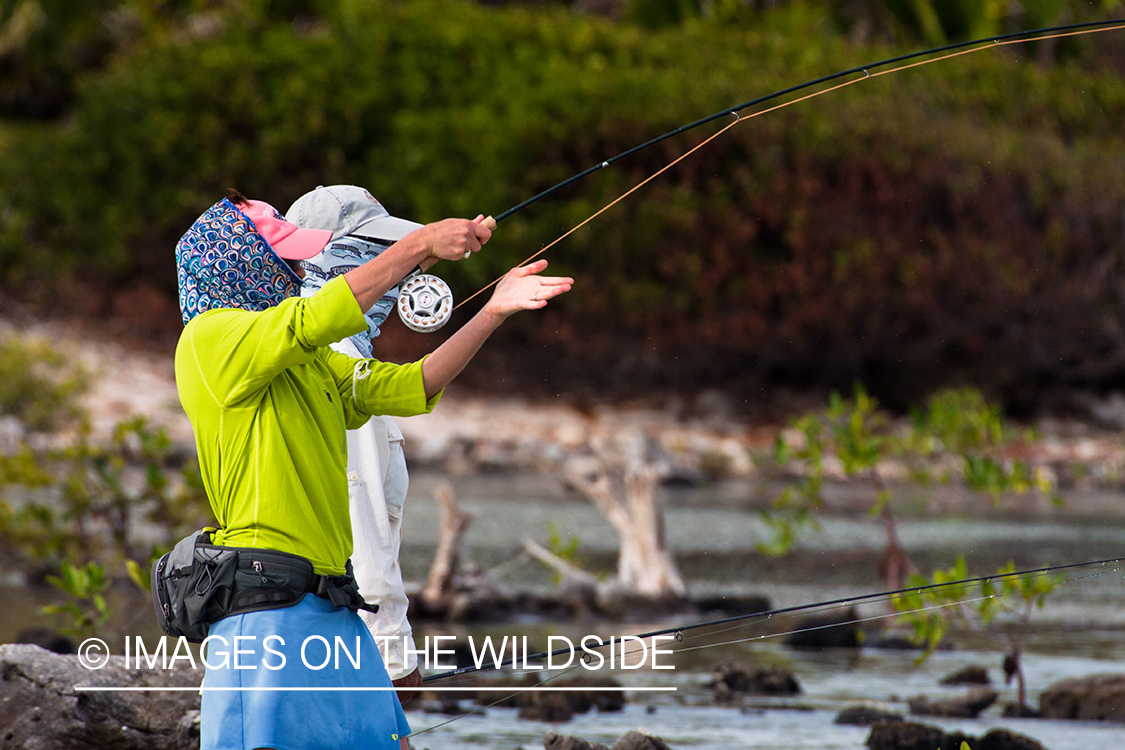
{"x":199,"y":583}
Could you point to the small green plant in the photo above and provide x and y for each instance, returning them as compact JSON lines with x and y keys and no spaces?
{"x":567,"y":550}
{"x":978,"y":606}
{"x":85,"y":587}
{"x":851,"y":432}
{"x":956,"y":426}
{"x":90,"y":497}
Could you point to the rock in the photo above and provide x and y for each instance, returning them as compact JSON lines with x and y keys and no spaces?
{"x":973,"y":674}
{"x":1016,"y":711}
{"x":967,"y":706}
{"x":446,"y":704}
{"x":898,"y":642}
{"x":830,"y":630}
{"x":187,"y":730}
{"x":553,"y":707}
{"x":35,"y":683}
{"x":1002,"y":739}
{"x":904,"y":735}
{"x":635,"y":740}
{"x":553,"y":741}
{"x":732,"y":604}
{"x":1095,"y":698}
{"x":582,"y":701}
{"x":730,"y":684}
{"x":910,"y":735}
{"x":866,"y":713}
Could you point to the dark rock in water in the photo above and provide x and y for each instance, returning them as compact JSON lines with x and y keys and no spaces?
{"x":446,"y":704}
{"x":731,"y":683}
{"x":732,"y":604}
{"x":1016,"y":711}
{"x":866,"y":713}
{"x":967,"y":706}
{"x":904,"y":735}
{"x":639,"y":741}
{"x":582,"y":701}
{"x":910,"y":735}
{"x":893,"y":642}
{"x":552,"y":707}
{"x":52,"y":640}
{"x":39,"y":707}
{"x":553,"y":741}
{"x":516,"y":699}
{"x":1096,"y":698}
{"x":837,"y":629}
{"x":1002,"y":739}
{"x":974,"y":674}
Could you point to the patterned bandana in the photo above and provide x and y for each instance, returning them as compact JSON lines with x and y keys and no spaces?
{"x":222,"y":261}
{"x":338,"y":258}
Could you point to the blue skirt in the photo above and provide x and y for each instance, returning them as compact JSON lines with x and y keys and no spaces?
{"x":309,"y":645}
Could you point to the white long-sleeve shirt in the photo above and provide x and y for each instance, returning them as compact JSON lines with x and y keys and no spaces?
{"x":377,"y":484}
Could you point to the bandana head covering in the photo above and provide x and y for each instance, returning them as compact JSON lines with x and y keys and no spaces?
{"x":338,"y":258}
{"x":222,"y":261}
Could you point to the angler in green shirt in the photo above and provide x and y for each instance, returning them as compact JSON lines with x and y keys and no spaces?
{"x":270,"y":403}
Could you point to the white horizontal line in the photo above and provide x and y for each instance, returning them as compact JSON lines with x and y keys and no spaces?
{"x":101,"y":689}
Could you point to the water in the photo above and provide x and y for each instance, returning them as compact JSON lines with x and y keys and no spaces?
{"x":688,"y":717}
{"x":1080,"y":631}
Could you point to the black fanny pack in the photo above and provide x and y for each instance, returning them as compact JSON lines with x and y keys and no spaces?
{"x":199,"y":583}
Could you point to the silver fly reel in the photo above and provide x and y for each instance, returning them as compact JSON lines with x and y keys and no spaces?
{"x":425,"y":303}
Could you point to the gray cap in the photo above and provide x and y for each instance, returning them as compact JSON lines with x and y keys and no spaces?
{"x":348,"y":209}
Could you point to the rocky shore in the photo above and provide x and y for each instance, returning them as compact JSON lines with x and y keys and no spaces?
{"x":45,"y":703}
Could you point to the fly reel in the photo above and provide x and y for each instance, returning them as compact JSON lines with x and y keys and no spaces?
{"x":425,"y":303}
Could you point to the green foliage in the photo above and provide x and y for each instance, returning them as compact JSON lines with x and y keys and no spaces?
{"x":976,"y":605}
{"x":820,"y":244}
{"x":38,"y":384}
{"x":565,"y":550}
{"x":939,"y":22}
{"x":85,"y":588}
{"x":954,"y":423}
{"x":90,"y":497}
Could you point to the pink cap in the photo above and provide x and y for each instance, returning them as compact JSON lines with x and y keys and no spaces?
{"x":288,"y":240}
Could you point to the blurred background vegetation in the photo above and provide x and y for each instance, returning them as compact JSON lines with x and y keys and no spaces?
{"x":958,"y":224}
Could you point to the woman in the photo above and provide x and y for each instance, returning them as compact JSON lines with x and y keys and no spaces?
{"x":269,"y":403}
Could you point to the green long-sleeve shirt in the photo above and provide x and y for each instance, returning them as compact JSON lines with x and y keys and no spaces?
{"x":270,"y":403}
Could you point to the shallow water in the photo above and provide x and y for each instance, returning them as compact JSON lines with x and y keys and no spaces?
{"x":1080,"y":631}
{"x":688,"y":717}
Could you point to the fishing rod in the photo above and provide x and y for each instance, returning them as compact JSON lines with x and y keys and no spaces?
{"x":951,"y":50}
{"x":676,"y":650}
{"x":1023,"y":36}
{"x":679,"y":630}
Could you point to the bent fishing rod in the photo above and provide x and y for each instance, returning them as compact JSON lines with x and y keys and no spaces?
{"x":1019,"y":36}
{"x":868,"y":71}
{"x":678,"y":630}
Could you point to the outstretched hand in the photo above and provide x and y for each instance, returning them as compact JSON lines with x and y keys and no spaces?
{"x":523,"y":288}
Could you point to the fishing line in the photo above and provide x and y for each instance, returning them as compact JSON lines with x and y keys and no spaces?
{"x":768,"y":614}
{"x":682,"y":649}
{"x":956,"y":50}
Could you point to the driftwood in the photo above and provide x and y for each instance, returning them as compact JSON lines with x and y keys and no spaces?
{"x":572,"y":576}
{"x":439,"y":589}
{"x":644,"y":564}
